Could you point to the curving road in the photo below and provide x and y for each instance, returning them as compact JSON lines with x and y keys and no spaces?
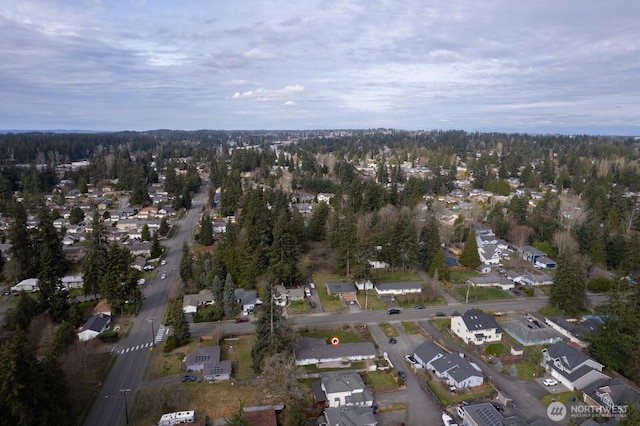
{"x":119,"y":390}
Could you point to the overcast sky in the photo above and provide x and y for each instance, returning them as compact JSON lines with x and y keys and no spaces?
{"x":566,"y":66}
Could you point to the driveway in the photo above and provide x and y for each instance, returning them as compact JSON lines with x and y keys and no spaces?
{"x":421,"y":410}
{"x":526,"y":394}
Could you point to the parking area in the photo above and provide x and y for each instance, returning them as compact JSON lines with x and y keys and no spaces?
{"x":555,"y":388}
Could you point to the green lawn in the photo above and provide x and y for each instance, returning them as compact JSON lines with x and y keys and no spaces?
{"x":371,"y":302}
{"x":410,"y":327}
{"x":298,"y":307}
{"x":329,"y":303}
{"x":546,"y":289}
{"x":380,"y":381}
{"x":397,"y":277}
{"x":238,"y":351}
{"x":563,"y":397}
{"x":389,"y":330}
{"x":526,"y":370}
{"x":460,"y":276}
{"x":344,"y":336}
{"x":441,"y":324}
{"x":496,"y":349}
{"x":446,"y":398}
{"x":477,"y":294}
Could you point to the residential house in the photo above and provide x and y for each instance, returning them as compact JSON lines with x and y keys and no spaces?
{"x":491,"y":280}
{"x":345,"y":291}
{"x":309,"y":351}
{"x":73,"y":254}
{"x":102,"y":308}
{"x":572,"y":368}
{"x":29,"y":285}
{"x":384,"y":289}
{"x":139,"y":263}
{"x":260,"y":416}
{"x":166,"y":211}
{"x":347,"y":416}
{"x":140,"y":249}
{"x":284,"y":295}
{"x":452,"y":368}
{"x":610,"y":396}
{"x":247,"y":300}
{"x":325,"y":197}
{"x":476,"y":327}
{"x":147,"y":213}
{"x":576,"y":331}
{"x":72,"y":281}
{"x":485,"y":414}
{"x":192,"y":302}
{"x":545,"y":263}
{"x":97,"y":324}
{"x":490,"y":254}
{"x":207,"y":361}
{"x":345,"y":388}
{"x":531,"y":254}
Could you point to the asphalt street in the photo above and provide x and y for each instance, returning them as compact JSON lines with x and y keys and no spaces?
{"x":117,"y":394}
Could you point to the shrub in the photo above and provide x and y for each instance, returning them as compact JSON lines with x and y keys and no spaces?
{"x":599,"y":285}
{"x":108,"y":336}
{"x":171,"y":344}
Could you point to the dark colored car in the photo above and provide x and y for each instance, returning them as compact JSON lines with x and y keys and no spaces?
{"x":312,"y":304}
{"x":516,"y":292}
{"x":393,"y":311}
{"x":188,"y":378}
{"x":402,"y":376}
{"x":498,"y":406}
{"x":419,"y":306}
{"x":440,"y":314}
{"x":393,"y":340}
{"x":238,"y":320}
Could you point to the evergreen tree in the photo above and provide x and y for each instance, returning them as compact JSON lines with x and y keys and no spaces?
{"x":470,"y":256}
{"x":179,"y":323}
{"x":52,"y":263}
{"x":164,"y":227}
{"x":145,"y":234}
{"x":285,"y":252}
{"x":429,"y":242}
{"x":76,"y":216}
{"x":94,"y":261}
{"x":404,"y":240}
{"x":318,"y":223}
{"x":237,"y":419}
{"x":438,"y":266}
{"x":63,"y":337}
{"x":205,"y":237}
{"x":568,"y":291}
{"x":156,"y":248}
{"x":273,"y":332}
{"x":217,"y":289}
{"x":229,"y":297}
{"x":186,"y":264}
{"x":22,"y":249}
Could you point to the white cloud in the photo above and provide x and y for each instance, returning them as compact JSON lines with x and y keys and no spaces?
{"x":258,"y":54}
{"x":262,"y":94}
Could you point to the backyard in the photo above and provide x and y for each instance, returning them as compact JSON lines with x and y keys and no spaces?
{"x":329,"y":303}
{"x":477,"y":294}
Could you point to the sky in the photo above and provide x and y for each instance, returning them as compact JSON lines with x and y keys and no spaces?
{"x":541,"y":66}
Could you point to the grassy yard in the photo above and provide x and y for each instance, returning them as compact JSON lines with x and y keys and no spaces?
{"x":212,"y":400}
{"x":563,"y":397}
{"x":389,"y":330}
{"x":460,"y":276}
{"x":380,"y":381}
{"x":496,"y":349}
{"x":447,"y":398}
{"x":526,"y":370}
{"x":546,"y":289}
{"x":442,"y":324}
{"x":298,"y":307}
{"x":329,"y":303}
{"x":238,"y":351}
{"x":477,"y":294}
{"x":345,"y":336}
{"x":372,"y":301}
{"x":410,"y":327}
{"x":397,"y":277}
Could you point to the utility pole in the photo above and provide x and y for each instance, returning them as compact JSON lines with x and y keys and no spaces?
{"x":126,"y":407}
{"x":153,"y":335}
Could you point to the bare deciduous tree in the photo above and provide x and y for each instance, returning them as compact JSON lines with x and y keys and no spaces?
{"x":279,"y":379}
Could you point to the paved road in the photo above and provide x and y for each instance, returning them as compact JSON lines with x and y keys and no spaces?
{"x":126,"y":375}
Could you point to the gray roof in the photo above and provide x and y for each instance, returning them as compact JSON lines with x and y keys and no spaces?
{"x":489,"y":279}
{"x":96,"y":323}
{"x":350,"y":416}
{"x":203,"y":354}
{"x":246,"y":297}
{"x":342,"y":381}
{"x":568,"y":356}
{"x":478,"y":321}
{"x":463,"y":371}
{"x":309,"y":348}
{"x":580,"y":329}
{"x":339,"y":288}
{"x":484,"y":414}
{"x":619,"y":392}
{"x":427,"y":351}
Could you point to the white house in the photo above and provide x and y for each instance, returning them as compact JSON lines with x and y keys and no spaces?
{"x":476,"y":327}
{"x":72,"y":281}
{"x":345,"y":389}
{"x":491,"y":280}
{"x":452,"y":368}
{"x":192,"y":302}
{"x":97,"y":324}
{"x":29,"y":285}
{"x":247,"y":299}
{"x":398,"y":288}
{"x":572,"y":368}
{"x":316,"y":351}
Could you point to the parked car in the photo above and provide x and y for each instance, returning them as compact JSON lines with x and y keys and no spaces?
{"x":440,"y":314}
{"x":410,"y":359}
{"x":393,"y":311}
{"x":312,"y":304}
{"x":516,"y":292}
{"x":163,"y":276}
{"x":188,"y":378}
{"x":7,"y":293}
{"x":497,"y":406}
{"x":419,"y":306}
{"x":307,"y":292}
{"x":402,"y":375}
{"x":393,"y":340}
{"x":164,"y":262}
{"x":243,"y":319}
{"x":550,"y":382}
